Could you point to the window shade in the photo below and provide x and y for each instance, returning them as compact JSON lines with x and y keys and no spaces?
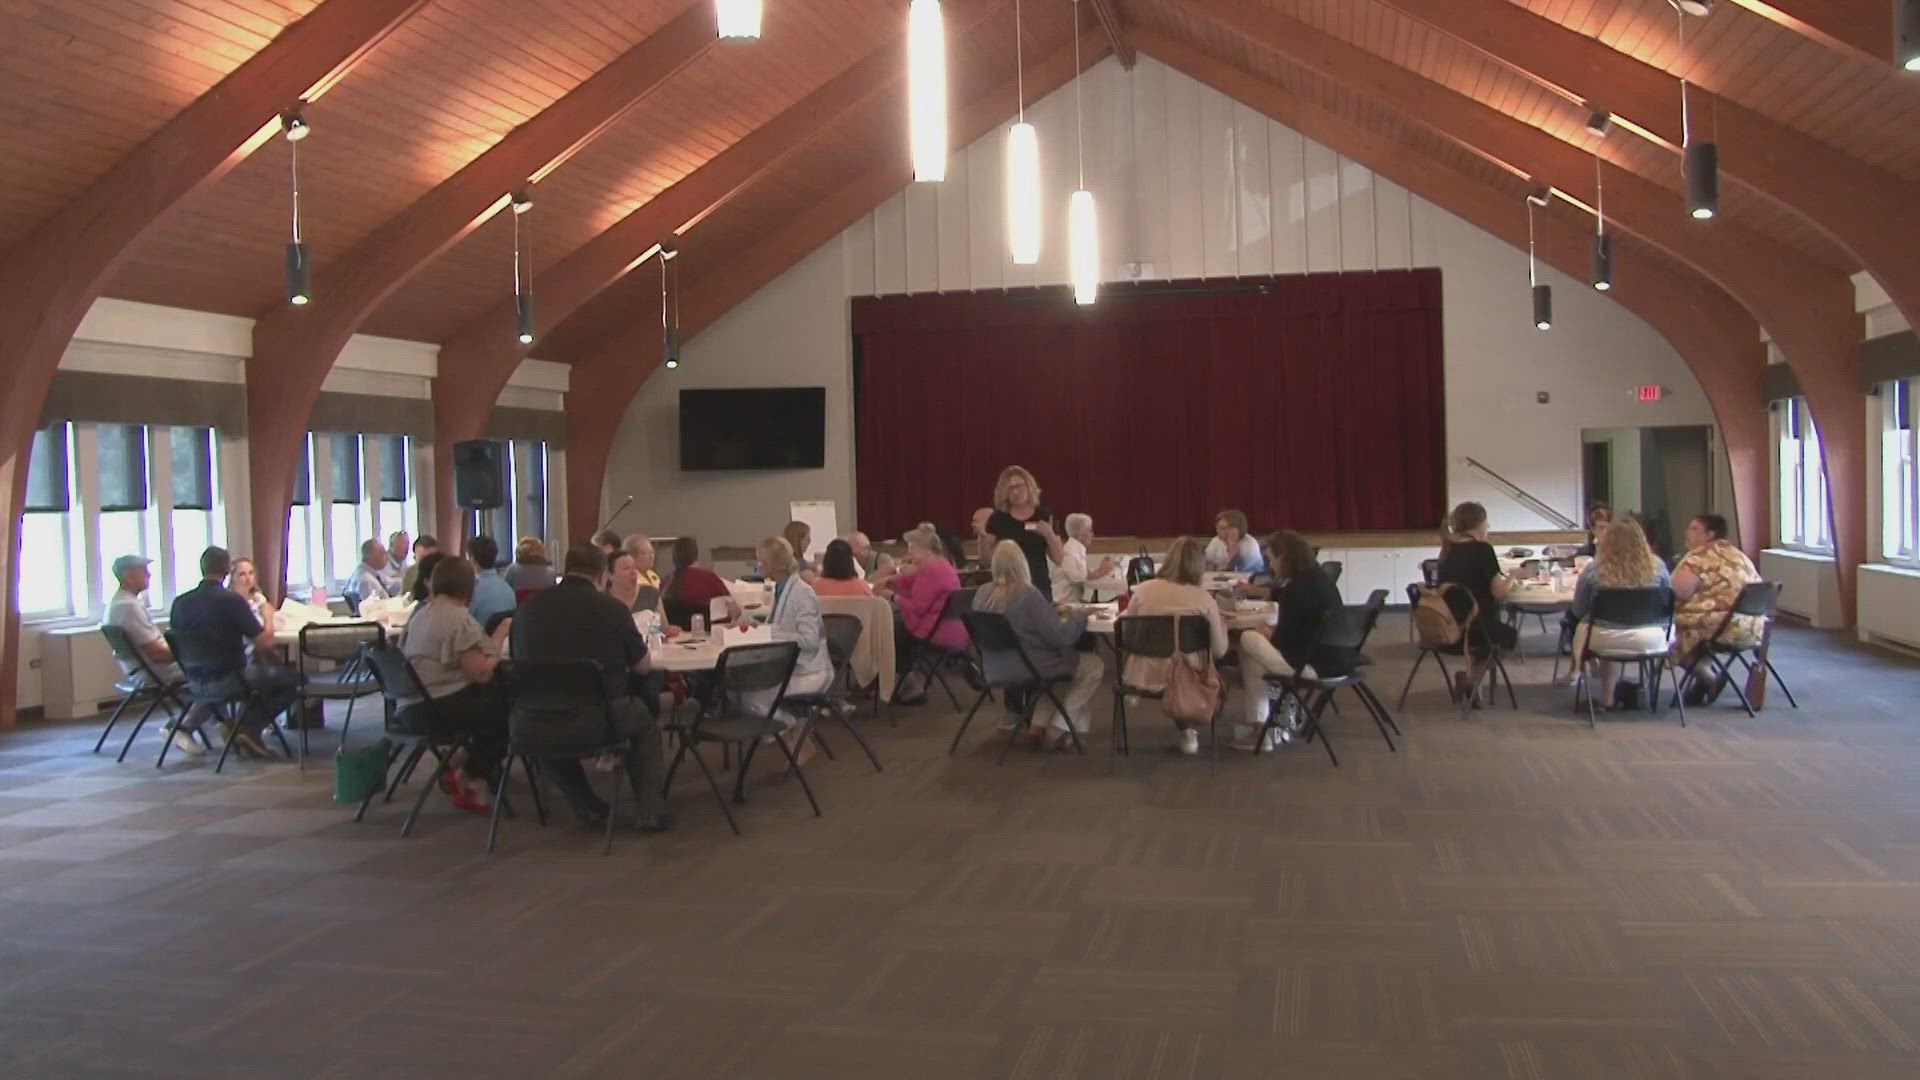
{"x":303,"y":474}
{"x":346,"y":470}
{"x":123,"y":467}
{"x":190,"y":461}
{"x":393,"y":467}
{"x":48,"y":489}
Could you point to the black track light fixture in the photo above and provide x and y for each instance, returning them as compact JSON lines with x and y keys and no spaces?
{"x":1599,"y":122}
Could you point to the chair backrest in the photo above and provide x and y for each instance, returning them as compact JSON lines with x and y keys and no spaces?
{"x":754,"y":669}
{"x":1758,"y":599}
{"x":201,"y":657}
{"x":1651,"y":606}
{"x":1333,"y":569}
{"x":1002,"y":659}
{"x":1158,"y":637}
{"x":957,"y":603}
{"x":393,"y":673}
{"x":843,"y":637}
{"x":1377,"y":599}
{"x":494,"y":620}
{"x":125,"y":651}
{"x":556,"y":695}
{"x":338,"y":642}
{"x":352,"y":600}
{"x":1430,"y":572}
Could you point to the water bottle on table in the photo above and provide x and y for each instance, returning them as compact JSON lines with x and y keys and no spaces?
{"x":698,"y":625}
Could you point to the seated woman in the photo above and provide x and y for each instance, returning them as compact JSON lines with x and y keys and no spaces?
{"x":693,"y":588}
{"x":623,"y":581}
{"x":422,"y":584}
{"x":1176,"y":591}
{"x":839,"y":573}
{"x":245,"y":580}
{"x":1050,"y":642}
{"x":1705,"y":584}
{"x":455,"y":660}
{"x":1469,"y":561}
{"x":1599,"y":516}
{"x":799,"y":536}
{"x":531,"y":569}
{"x":1622,"y":560}
{"x":919,"y":591}
{"x":1307,"y":596}
{"x":795,"y":616}
{"x":641,"y":548}
{"x":1231,"y":548}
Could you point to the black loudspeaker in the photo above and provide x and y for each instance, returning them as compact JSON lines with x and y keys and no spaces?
{"x":479,"y":474}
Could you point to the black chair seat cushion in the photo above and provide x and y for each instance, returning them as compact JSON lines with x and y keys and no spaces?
{"x":329,"y":685}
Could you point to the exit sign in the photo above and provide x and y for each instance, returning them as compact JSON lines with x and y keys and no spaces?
{"x":1647,"y":392}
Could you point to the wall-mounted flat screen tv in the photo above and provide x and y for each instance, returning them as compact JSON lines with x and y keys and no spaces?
{"x":779,"y":427}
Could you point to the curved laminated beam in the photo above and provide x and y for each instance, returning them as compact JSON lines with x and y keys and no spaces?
{"x":1719,"y":341}
{"x":485,"y":351}
{"x":295,"y":347}
{"x":604,"y":384}
{"x":51,"y":277}
{"x":1859,"y":29}
{"x":1806,"y":308}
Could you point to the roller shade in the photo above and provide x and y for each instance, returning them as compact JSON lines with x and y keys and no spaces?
{"x":97,"y":397}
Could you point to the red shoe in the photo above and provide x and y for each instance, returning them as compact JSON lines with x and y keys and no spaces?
{"x":450,"y":783}
{"x":471,"y":805}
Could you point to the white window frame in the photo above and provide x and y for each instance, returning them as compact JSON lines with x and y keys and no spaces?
{"x":1804,"y":511}
{"x":1900,"y":475}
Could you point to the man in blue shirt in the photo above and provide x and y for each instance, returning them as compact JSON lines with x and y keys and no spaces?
{"x":491,"y":593}
{"x":223,"y":624}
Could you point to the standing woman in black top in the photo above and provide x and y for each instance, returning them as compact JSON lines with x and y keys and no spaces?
{"x":1467,"y":560}
{"x":1018,"y":516}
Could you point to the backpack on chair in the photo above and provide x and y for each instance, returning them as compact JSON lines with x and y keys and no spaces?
{"x":1435,"y":625}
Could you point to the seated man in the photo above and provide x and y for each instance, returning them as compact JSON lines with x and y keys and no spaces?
{"x":575,"y":619}
{"x":128,"y":611}
{"x":422,"y":548}
{"x":369,"y":580}
{"x":225,"y":624}
{"x":491,"y":593}
{"x":869,"y":562}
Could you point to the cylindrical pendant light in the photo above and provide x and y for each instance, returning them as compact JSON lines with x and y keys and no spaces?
{"x":669,"y":314}
{"x":927,"y":89}
{"x":1023,"y":169}
{"x":1542,"y":293}
{"x":1083,"y":220}
{"x":1543,"y":307}
{"x":299,"y":265}
{"x":521,"y":202}
{"x":1602,"y":243}
{"x":738,"y":18}
{"x":523,"y":318}
{"x":1700,"y":161}
{"x":1906,"y":34}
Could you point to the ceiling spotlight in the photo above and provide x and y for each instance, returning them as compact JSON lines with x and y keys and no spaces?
{"x":668,"y":251}
{"x":294,"y":126}
{"x":1599,"y":122}
{"x":1539,"y":196}
{"x":1692,"y":7}
{"x":522,"y":201}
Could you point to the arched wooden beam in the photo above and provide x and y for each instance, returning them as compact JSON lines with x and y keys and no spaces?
{"x":1719,"y":341}
{"x":295,"y":347}
{"x":1860,"y":29}
{"x":485,"y":352}
{"x":604,"y":384}
{"x":51,"y":277}
{"x":1806,"y":308}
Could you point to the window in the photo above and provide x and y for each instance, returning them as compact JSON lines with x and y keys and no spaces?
{"x":398,"y":509}
{"x":120,"y":452}
{"x":303,"y":525}
{"x":346,"y":480}
{"x":1899,"y":480}
{"x":44,"y":569}
{"x":195,"y":521}
{"x":1804,"y":517}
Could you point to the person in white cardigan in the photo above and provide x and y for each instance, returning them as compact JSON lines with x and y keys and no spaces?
{"x":795,"y":617}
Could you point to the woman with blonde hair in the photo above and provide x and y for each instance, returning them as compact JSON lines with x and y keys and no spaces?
{"x":1018,"y":515}
{"x":799,"y":536}
{"x":795,"y":616}
{"x":1050,"y":642}
{"x":1622,"y":559}
{"x":1176,"y":591}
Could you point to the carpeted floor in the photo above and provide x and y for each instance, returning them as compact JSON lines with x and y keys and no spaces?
{"x":1510,"y":896}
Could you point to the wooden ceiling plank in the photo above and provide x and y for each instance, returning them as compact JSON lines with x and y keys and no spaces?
{"x":1806,"y":308}
{"x":51,"y":277}
{"x":603,"y":385}
{"x":1858,"y":29}
{"x":294,"y":347}
{"x":1718,"y":340}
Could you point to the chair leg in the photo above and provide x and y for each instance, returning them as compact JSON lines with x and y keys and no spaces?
{"x":740,"y":774}
{"x":533,"y":787}
{"x":433,"y":781}
{"x":419,"y":750}
{"x":1026,"y":721}
{"x":1366,"y":699}
{"x":793,"y":760}
{"x":226,"y":748}
{"x":853,"y":729}
{"x":1062,"y":710}
{"x":112,"y":720}
{"x":1500,"y":667}
{"x":667,"y":785}
{"x":940,"y":677}
{"x":613,"y":810}
{"x":1314,"y":730}
{"x":1771,"y":670}
{"x":1678,"y":703}
{"x":1725,"y":672}
{"x":1118,"y":734}
{"x":718,"y":795}
{"x":1418,"y":659}
{"x":499,"y":800}
{"x":392,"y":756}
{"x":137,"y":725}
{"x":977,"y":702}
{"x":813,"y":732}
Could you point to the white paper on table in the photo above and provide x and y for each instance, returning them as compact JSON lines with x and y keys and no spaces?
{"x":755,"y":635}
{"x":374,"y":608}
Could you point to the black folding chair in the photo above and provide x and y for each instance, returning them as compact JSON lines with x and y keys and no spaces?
{"x":1339,"y":647}
{"x":144,"y":683}
{"x":348,"y":680}
{"x":1157,"y":637}
{"x":1333,"y":568}
{"x":843,"y":636}
{"x":1632,"y":608}
{"x":743,"y":715}
{"x":1430,"y":573}
{"x":1495,"y":670}
{"x":416,"y":725}
{"x":214,"y":681}
{"x":1005,"y":666}
{"x":557,"y":709}
{"x":931,"y":658}
{"x":1759,"y":600}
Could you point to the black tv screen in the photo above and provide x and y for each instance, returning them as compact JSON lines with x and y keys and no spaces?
{"x":781,"y":427}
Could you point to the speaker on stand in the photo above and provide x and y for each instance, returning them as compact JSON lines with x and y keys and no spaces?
{"x":479,"y":479}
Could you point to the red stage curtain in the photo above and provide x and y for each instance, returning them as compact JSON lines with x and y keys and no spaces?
{"x":1314,"y":402}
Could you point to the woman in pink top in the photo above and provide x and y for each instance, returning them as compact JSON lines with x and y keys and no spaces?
{"x":919,"y":591}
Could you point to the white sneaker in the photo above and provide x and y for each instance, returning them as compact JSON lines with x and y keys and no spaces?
{"x":183,"y":743}
{"x":1190,"y":741}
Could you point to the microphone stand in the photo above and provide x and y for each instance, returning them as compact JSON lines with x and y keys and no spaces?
{"x":607,"y":524}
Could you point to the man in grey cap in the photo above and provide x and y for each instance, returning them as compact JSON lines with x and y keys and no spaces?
{"x":128,"y":611}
